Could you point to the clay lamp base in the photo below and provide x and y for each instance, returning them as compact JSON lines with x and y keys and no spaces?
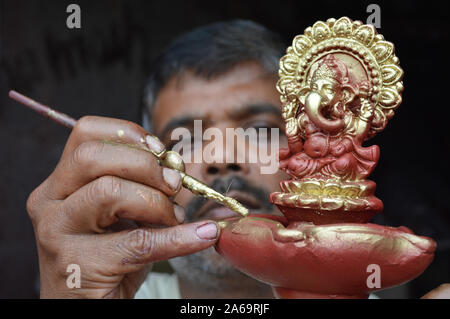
{"x":303,"y":260}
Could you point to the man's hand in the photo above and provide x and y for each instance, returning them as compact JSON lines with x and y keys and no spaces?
{"x":441,"y":292}
{"x":96,"y":208}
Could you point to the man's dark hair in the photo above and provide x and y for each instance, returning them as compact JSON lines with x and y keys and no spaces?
{"x":210,"y":51}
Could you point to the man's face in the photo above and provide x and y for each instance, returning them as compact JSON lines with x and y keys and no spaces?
{"x":244,"y":97}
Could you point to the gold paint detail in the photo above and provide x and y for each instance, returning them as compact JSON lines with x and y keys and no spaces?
{"x":173,"y":160}
{"x":358,"y":235}
{"x":372,"y":237}
{"x":328,"y":188}
{"x":327,"y":195}
{"x":322,"y":203}
{"x":289,"y":235}
{"x":52,"y":114}
{"x":222,"y":224}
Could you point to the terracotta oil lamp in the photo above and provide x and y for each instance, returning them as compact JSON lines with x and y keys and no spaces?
{"x":340,"y":83}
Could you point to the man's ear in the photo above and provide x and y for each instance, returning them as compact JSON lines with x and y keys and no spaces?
{"x":348,"y":93}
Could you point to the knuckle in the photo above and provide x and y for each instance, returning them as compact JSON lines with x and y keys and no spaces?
{"x":104,"y":190}
{"x":138,"y":244}
{"x":46,"y":236}
{"x":83,"y":125}
{"x":32,"y":204}
{"x":38,"y":201}
{"x":86,"y":152}
{"x":159,"y":200}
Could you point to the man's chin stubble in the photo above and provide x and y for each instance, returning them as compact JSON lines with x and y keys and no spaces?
{"x":209,"y":270}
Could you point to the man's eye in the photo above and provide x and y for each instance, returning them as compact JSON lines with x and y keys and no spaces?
{"x":265,"y":128}
{"x":182,"y":144}
{"x":259,"y":126}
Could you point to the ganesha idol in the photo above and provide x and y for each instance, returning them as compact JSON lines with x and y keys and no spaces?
{"x":340,"y":83}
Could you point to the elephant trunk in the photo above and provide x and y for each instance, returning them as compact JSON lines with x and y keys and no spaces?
{"x":313,"y":104}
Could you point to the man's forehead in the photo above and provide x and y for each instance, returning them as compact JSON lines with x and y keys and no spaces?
{"x":239,"y":74}
{"x":188,"y":94}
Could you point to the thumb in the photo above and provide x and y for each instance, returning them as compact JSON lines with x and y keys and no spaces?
{"x":131,"y":250}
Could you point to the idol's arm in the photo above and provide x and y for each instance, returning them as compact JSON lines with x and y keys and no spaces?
{"x":362,"y":122}
{"x":294,"y":139}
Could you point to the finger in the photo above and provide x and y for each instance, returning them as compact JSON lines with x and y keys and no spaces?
{"x":90,"y":128}
{"x":104,"y":201}
{"x":93,"y":159}
{"x":129,"y":251}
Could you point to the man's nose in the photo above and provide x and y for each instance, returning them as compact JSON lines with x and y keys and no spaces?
{"x":218,"y":169}
{"x":228,"y":157}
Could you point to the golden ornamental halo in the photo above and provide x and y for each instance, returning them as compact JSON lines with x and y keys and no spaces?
{"x":358,"y":41}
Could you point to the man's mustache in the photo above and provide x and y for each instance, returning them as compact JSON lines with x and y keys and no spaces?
{"x":224,"y":185}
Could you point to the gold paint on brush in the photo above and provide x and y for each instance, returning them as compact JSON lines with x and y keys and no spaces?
{"x":173,"y":160}
{"x":200,"y":189}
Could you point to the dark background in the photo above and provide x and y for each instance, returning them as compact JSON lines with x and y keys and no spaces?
{"x":100,"y":69}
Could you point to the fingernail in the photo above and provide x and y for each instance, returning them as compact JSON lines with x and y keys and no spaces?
{"x":179,"y":213}
{"x":207,"y":231}
{"x":172,"y":178}
{"x":154,"y":144}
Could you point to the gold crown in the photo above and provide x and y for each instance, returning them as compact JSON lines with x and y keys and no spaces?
{"x":324,"y":72}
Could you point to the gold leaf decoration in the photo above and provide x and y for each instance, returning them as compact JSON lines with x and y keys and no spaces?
{"x":365,"y":34}
{"x":389,"y":98}
{"x":300,"y":44}
{"x":391,"y":73}
{"x":320,"y":31}
{"x":286,"y":85}
{"x":382,"y":50}
{"x":289,"y":64}
{"x":342,"y":27}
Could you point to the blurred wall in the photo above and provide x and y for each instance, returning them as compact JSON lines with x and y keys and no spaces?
{"x":100,"y":69}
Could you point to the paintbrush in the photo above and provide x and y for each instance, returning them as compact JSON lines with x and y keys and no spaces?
{"x":166,"y":158}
